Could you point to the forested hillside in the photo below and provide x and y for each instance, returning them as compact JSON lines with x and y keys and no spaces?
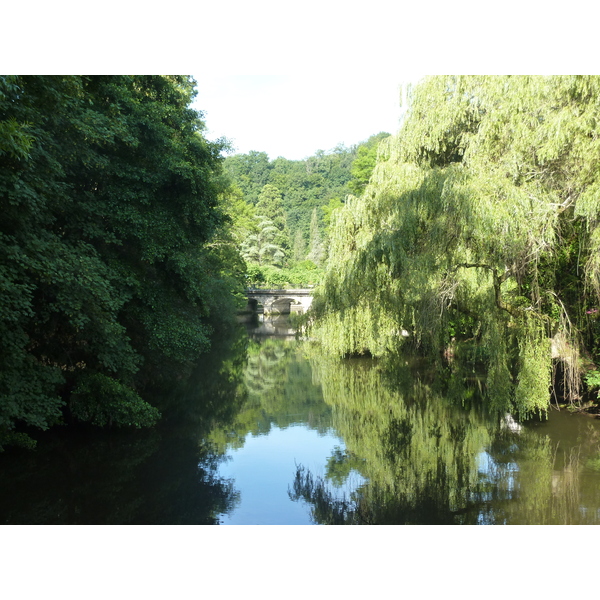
{"x":477,"y":239}
{"x":116,"y":257}
{"x":286,"y":205}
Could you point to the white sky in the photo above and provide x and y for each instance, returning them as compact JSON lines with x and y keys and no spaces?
{"x":334,"y":66}
{"x":294,"y":117}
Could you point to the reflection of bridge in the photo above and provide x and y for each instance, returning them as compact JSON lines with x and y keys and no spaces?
{"x":280,"y":301}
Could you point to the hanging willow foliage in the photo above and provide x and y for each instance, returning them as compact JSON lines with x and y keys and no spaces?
{"x":479,"y":225}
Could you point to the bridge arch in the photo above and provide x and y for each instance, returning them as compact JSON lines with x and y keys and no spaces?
{"x":281,"y":305}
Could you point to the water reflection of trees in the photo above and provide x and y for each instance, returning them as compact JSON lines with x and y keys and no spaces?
{"x":278,"y":391}
{"x":106,"y":478}
{"x":426,"y":458}
{"x":160,"y":476}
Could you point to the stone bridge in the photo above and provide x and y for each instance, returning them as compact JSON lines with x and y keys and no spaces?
{"x":279,"y":301}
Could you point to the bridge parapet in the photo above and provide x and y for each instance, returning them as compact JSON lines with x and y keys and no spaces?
{"x":276,"y":291}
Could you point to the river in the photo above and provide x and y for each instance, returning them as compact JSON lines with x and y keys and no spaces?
{"x":269,"y":431}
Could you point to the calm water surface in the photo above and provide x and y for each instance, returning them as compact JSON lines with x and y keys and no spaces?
{"x":268,"y":431}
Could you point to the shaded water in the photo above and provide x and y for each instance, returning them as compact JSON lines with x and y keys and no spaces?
{"x":269,"y":431}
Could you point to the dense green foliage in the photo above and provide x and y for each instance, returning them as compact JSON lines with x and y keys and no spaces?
{"x":114,"y":249}
{"x":291,"y":202}
{"x":364,"y":163}
{"x":477,"y":237}
{"x":302,"y":274}
{"x":304,"y":184}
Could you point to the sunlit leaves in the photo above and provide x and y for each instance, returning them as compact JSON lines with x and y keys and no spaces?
{"x":464,"y":219}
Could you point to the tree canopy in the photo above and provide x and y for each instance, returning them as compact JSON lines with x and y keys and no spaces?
{"x":478,"y":235}
{"x":110,"y":265}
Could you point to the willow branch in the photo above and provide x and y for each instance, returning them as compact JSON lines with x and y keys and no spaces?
{"x":498,"y":281}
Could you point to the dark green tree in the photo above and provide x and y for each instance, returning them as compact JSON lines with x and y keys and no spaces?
{"x":108,"y":192}
{"x":251,"y":172}
{"x":317,"y":247}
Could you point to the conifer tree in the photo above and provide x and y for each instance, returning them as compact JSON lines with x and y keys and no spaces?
{"x":262,"y":247}
{"x":317,"y":247}
{"x":270,"y":207}
{"x":299,"y":246}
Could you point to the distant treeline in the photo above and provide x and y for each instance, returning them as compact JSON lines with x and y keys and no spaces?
{"x":283,"y":207}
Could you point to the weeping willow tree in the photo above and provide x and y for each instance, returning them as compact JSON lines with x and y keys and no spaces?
{"x":479,"y":227}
